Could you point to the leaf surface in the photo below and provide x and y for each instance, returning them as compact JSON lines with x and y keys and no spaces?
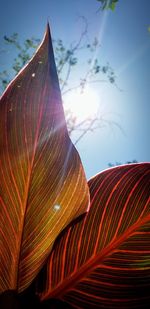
{"x":42,"y":181}
{"x":103,"y":260}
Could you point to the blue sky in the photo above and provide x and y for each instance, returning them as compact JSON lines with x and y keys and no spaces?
{"x":125,"y":43}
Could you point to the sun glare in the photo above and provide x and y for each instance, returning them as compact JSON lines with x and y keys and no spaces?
{"x":82,"y":104}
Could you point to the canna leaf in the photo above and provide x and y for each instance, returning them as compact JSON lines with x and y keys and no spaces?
{"x":103,"y":260}
{"x":42,"y":181}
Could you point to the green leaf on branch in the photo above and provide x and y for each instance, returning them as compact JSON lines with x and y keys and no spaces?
{"x":108,"y":4}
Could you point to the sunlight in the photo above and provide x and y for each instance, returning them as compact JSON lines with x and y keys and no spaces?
{"x":82,"y":104}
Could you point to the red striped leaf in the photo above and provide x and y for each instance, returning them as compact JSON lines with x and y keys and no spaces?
{"x":42,"y":182}
{"x":103,"y":260}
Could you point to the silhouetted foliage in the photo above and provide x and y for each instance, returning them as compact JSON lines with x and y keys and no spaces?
{"x":108,"y":4}
{"x":119,"y":163}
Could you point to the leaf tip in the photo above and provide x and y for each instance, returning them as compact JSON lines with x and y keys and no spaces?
{"x":47,"y":32}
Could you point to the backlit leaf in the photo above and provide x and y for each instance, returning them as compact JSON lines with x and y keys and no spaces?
{"x":103,"y":260}
{"x":42,"y":182}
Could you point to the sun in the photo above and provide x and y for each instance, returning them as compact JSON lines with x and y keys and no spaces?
{"x":82,"y":104}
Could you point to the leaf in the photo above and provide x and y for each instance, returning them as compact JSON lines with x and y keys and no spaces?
{"x":108,"y":4}
{"x":112,"y":6}
{"x":103,"y":260}
{"x":42,"y":181}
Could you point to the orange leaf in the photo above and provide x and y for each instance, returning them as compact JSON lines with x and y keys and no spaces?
{"x":103,"y":260}
{"x":42,"y":181}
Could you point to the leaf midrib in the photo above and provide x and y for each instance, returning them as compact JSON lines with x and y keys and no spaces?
{"x":75,"y":277}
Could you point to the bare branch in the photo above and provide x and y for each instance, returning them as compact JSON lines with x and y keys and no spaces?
{"x":66,"y":59}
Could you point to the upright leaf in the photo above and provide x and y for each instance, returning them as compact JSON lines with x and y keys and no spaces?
{"x":103,"y":260}
{"x":42,"y":182}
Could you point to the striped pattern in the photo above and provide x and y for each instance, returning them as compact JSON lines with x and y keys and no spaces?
{"x":103,"y":260}
{"x":42,"y":182}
